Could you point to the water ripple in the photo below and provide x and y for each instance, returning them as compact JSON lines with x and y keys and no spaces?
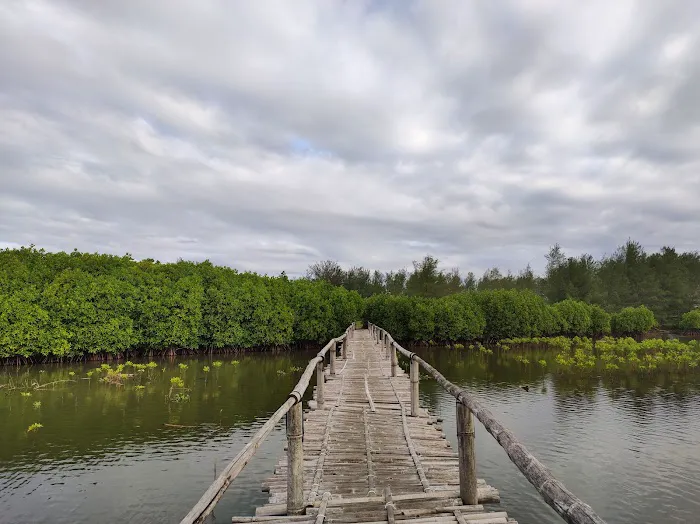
{"x":633,"y":454}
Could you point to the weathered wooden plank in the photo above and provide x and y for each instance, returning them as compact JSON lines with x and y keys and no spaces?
{"x":389,"y":505}
{"x":554,"y":493}
{"x":371,"y":480}
{"x":369,"y":396}
{"x":322,"y":510}
{"x":273,"y":519}
{"x":362,"y":441}
{"x":211,"y":496}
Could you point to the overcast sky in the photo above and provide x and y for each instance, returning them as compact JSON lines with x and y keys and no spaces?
{"x":269,"y":135}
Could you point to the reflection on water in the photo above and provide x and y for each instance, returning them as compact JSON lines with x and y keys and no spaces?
{"x":628,"y":447}
{"x":123,"y":454}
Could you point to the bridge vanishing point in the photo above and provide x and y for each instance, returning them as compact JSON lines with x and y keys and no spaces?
{"x":367,"y":452}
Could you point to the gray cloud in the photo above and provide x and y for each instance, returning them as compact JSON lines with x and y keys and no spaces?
{"x":268,"y":135}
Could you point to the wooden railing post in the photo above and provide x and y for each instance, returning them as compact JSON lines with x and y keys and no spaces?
{"x":415,"y":386}
{"x":295,"y":461}
{"x":319,"y":385}
{"x":394,"y":360}
{"x":344,"y":347}
{"x":332,"y":351}
{"x":467,"y":459}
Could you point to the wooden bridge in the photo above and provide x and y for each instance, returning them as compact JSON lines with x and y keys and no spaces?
{"x":367,"y":452}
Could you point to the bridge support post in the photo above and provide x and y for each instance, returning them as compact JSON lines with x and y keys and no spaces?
{"x":387,"y":347}
{"x":319,"y":385}
{"x":332,"y":351}
{"x":415,"y":385}
{"x":344,"y":347}
{"x":467,"y":459}
{"x":295,"y":461}
{"x":394,"y":360}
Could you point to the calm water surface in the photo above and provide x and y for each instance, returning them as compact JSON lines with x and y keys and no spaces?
{"x":114,"y":453}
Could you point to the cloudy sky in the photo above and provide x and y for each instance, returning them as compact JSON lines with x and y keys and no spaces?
{"x":269,"y":135}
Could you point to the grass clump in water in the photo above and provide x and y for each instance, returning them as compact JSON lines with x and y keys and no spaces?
{"x":34,"y":427}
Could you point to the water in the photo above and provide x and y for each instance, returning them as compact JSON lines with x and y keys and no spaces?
{"x":629,"y":448}
{"x":104,"y":452}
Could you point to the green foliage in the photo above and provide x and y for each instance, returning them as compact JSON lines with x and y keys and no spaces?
{"x":511,"y":313}
{"x":34,"y":427}
{"x":421,"y":324}
{"x":94,"y":310}
{"x":64,"y":305}
{"x":600,"y":321}
{"x":59,"y":305}
{"x":27,"y":329}
{"x":171,"y":312}
{"x":574,"y":316}
{"x":632,"y":320}
{"x":649,"y":355}
{"x":490,"y":316}
{"x":691,"y":320}
{"x":626,"y":355}
{"x":667,"y":282}
{"x":465,"y":319}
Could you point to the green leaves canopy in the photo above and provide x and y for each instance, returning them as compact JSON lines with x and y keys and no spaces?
{"x":56,"y":305}
{"x":59,"y":305}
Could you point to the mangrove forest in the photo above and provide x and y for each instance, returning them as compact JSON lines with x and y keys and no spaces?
{"x":58,"y":306}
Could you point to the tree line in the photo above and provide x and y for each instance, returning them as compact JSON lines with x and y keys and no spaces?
{"x":65,"y":305}
{"x":667,"y":282}
{"x":494,"y":315}
{"x":68,"y":305}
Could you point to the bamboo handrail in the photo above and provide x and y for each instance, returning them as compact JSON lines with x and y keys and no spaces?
{"x":211,"y":496}
{"x":572,"y":509}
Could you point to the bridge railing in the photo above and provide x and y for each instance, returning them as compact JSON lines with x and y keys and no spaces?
{"x":572,"y":509}
{"x":292,"y":408}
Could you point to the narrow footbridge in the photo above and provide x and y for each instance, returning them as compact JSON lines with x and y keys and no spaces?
{"x":365,"y":451}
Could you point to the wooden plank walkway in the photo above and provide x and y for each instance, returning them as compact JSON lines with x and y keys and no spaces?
{"x":366,"y":459}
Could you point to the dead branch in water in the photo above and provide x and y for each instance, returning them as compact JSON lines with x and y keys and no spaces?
{"x":39,"y":386}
